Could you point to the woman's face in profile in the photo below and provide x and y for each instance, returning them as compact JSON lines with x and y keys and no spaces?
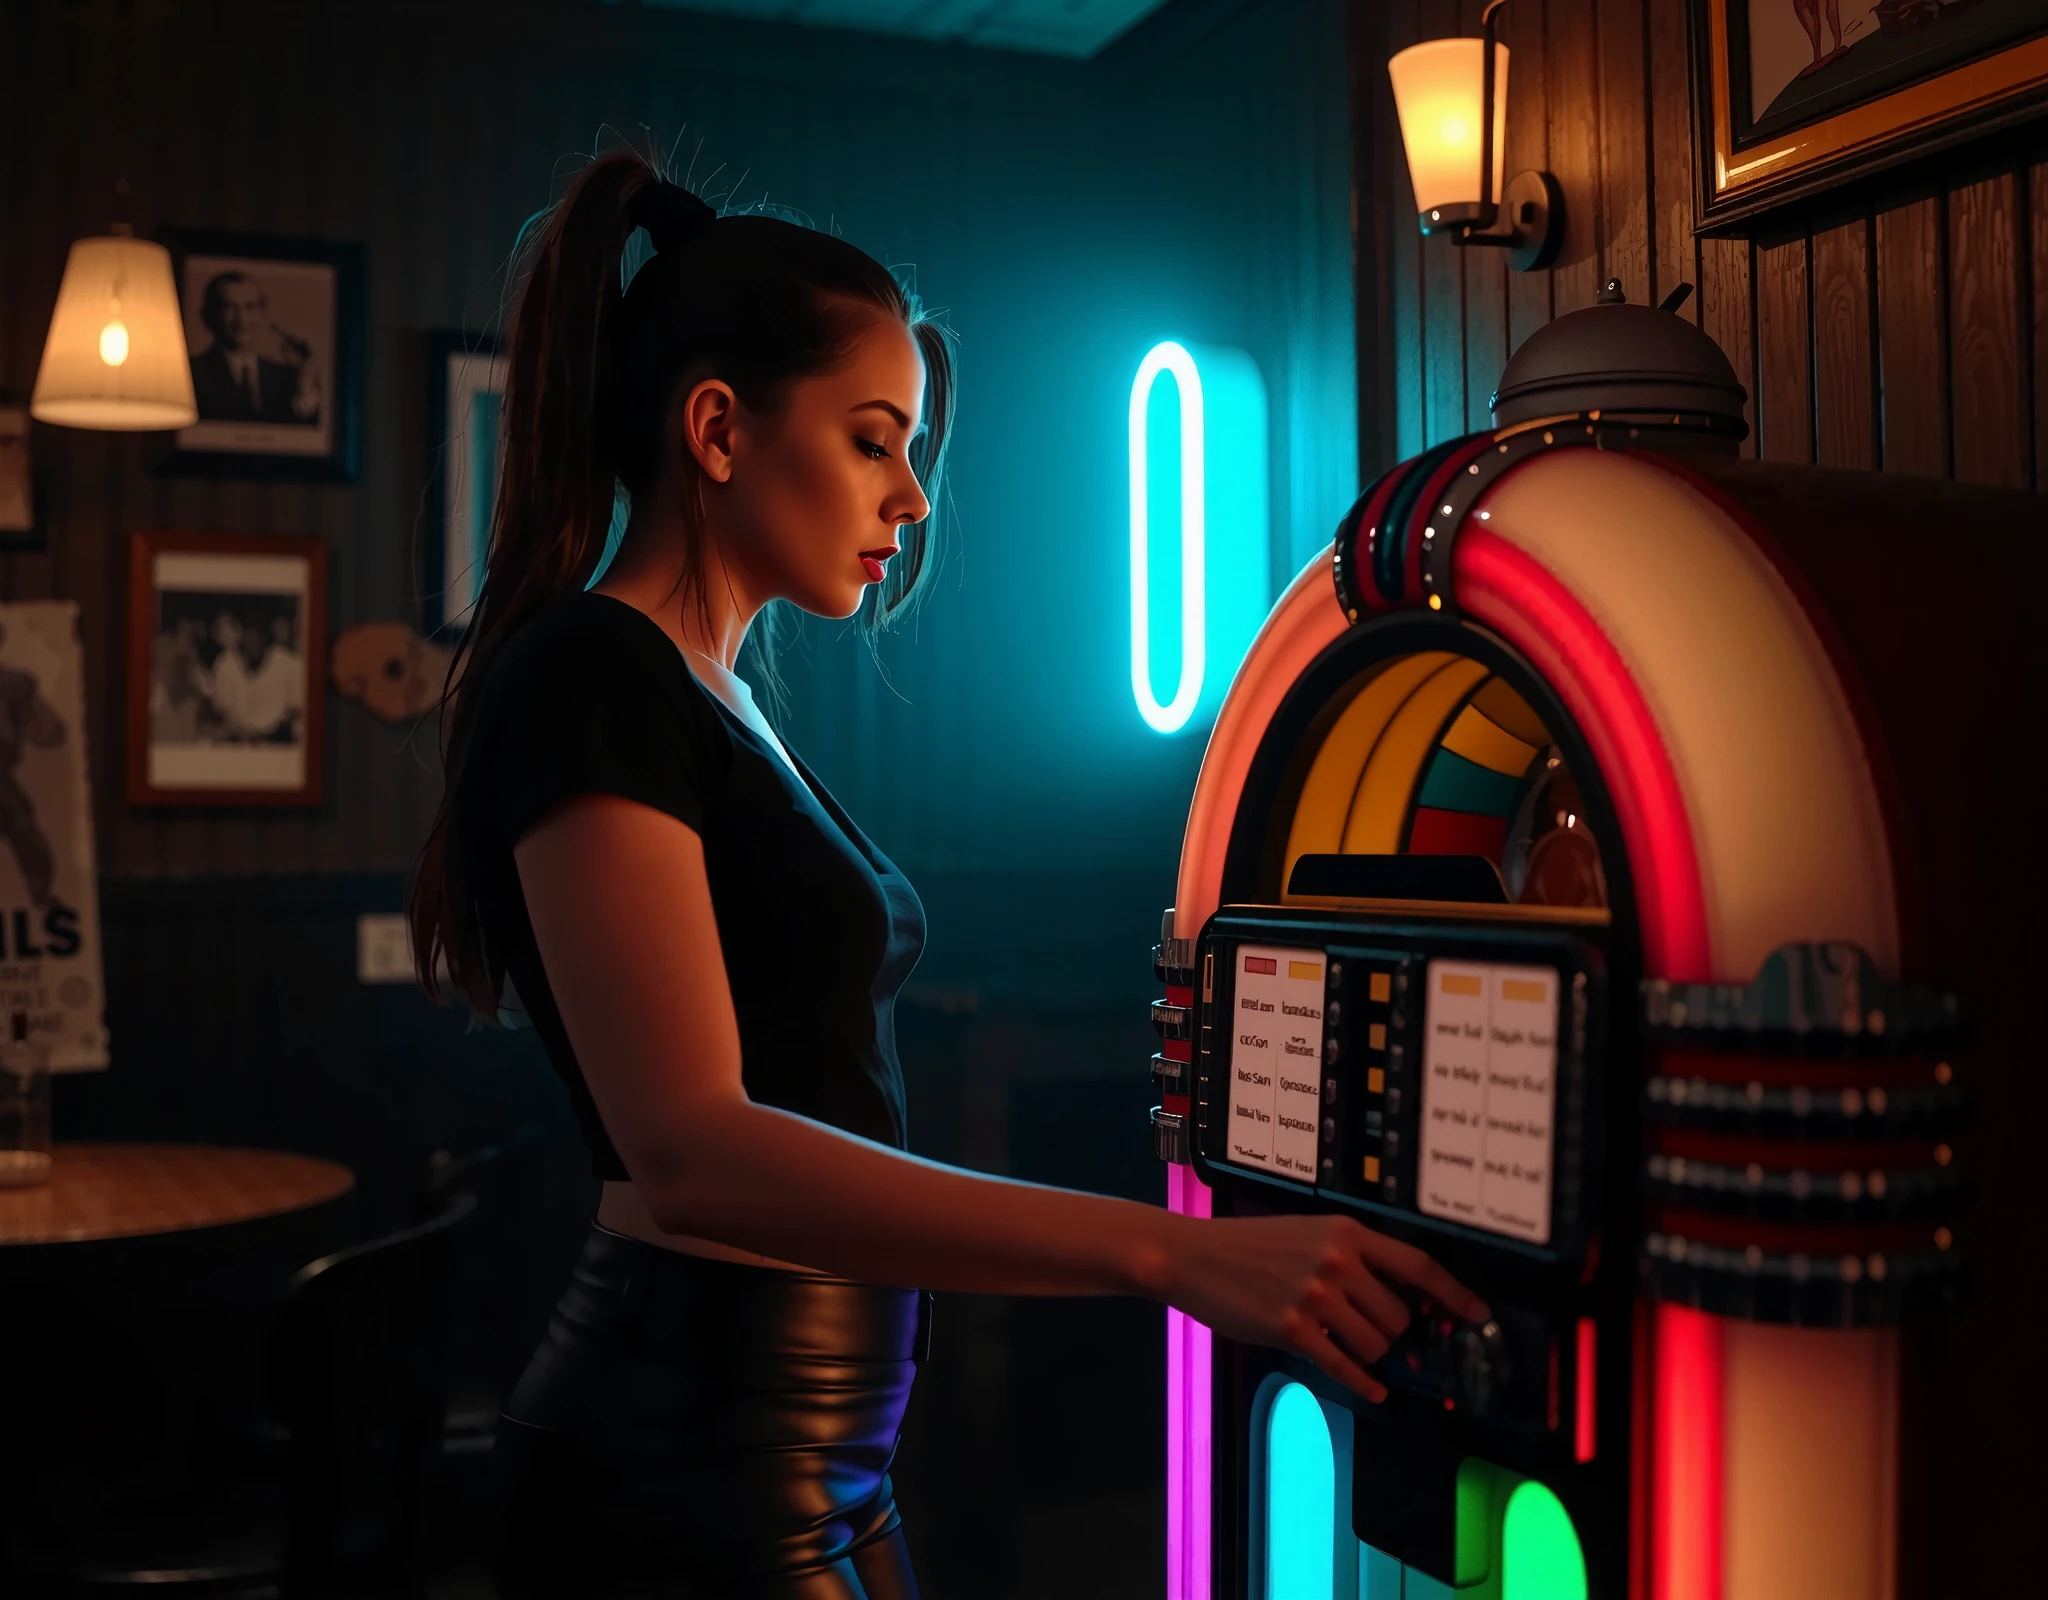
{"x":819,"y":490}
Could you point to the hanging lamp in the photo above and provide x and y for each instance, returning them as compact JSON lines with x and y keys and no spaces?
{"x":115,"y":358}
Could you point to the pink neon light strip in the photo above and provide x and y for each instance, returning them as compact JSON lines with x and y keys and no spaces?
{"x":1187,"y":1422}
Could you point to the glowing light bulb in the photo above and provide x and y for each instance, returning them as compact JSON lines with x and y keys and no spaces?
{"x":1454,"y":131}
{"x":114,"y":343}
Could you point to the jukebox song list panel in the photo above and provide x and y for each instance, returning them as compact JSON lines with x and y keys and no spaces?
{"x":1488,"y":1094}
{"x":1276,"y":1054}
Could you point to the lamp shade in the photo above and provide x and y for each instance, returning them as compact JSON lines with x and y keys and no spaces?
{"x":1438,"y":89}
{"x":116,"y":357}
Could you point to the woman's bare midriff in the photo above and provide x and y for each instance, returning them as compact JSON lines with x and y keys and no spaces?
{"x":623,"y":1211}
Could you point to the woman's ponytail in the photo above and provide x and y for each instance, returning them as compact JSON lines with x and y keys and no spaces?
{"x":556,"y":489}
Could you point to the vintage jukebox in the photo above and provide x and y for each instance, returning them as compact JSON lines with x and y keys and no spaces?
{"x":1576,"y":881}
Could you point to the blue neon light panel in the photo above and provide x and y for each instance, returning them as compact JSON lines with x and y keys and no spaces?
{"x":1199,"y":471}
{"x":1301,"y":1499}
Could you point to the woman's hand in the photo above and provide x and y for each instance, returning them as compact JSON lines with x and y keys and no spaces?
{"x":1308,"y":1284}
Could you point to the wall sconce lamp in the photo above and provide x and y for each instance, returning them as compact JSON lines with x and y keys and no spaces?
{"x":1452,"y":99}
{"x":115,"y":357}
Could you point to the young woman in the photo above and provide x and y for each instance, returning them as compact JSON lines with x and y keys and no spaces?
{"x":711,"y":948}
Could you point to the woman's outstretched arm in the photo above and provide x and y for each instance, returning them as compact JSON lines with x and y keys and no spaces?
{"x":622,"y":914}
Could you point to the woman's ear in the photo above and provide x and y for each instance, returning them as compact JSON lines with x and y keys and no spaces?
{"x":703,"y":425}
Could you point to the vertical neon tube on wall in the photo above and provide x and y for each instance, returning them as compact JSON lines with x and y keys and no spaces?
{"x":1173,"y":358}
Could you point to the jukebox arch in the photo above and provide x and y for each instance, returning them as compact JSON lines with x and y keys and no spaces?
{"x":1564,"y":683}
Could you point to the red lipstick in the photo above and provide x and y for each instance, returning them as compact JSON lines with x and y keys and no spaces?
{"x":871,"y":561}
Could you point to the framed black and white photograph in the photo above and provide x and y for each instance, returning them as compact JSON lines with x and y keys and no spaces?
{"x":227,"y":642}
{"x":17,"y":483}
{"x":274,"y":328}
{"x":465,"y":451}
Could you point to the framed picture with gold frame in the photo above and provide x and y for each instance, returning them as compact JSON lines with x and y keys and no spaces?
{"x":1794,"y":97}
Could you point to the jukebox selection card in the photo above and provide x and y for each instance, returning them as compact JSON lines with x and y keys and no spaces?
{"x":1488,"y":1095}
{"x":1276,"y":1053}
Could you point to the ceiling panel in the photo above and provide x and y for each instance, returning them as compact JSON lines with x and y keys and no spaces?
{"x":1050,"y":27}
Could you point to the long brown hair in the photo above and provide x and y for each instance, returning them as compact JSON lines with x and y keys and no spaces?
{"x":592,"y":368}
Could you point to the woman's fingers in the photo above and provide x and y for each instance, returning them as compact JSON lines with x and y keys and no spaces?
{"x":1329,"y":1306}
{"x":1412,"y":1266}
{"x":1386,"y":1309}
{"x":1310,"y":1340}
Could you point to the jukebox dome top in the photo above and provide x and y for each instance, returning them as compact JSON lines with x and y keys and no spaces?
{"x":1634,"y":363}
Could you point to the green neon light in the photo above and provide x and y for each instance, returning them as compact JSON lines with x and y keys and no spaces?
{"x":1301,"y":1499}
{"x":1541,"y":1555}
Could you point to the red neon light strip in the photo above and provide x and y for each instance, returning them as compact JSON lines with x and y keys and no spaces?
{"x":1508,"y":590}
{"x":1685,"y":1490}
{"x":1585,"y":1433}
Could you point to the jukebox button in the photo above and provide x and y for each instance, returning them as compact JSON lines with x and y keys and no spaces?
{"x":1473,"y":1360}
{"x":1169,"y":1135}
{"x":1171,"y":1021}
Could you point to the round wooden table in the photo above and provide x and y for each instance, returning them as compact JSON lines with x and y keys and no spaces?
{"x":126,"y":1191}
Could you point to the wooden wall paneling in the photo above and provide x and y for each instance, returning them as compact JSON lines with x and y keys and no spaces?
{"x":1443,"y":291}
{"x":1727,"y":313}
{"x":1784,"y":334}
{"x":1844,"y":379}
{"x":1486,"y":331}
{"x":1572,"y":63}
{"x":1912,"y":319}
{"x":1674,"y":260}
{"x":1985,"y":364}
{"x":1625,"y":154}
{"x":1485,"y":288}
{"x":2037,"y":215}
{"x":1521,"y":30}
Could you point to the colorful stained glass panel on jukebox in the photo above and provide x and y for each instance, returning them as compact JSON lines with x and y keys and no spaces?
{"x":1488,"y":1097}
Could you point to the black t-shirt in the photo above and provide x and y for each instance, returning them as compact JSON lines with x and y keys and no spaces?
{"x":818,"y":928}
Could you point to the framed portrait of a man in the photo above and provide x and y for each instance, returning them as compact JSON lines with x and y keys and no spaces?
{"x":227,"y":669}
{"x":274,"y":328}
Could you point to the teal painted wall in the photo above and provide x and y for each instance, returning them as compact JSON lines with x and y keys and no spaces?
{"x":1191,"y":184}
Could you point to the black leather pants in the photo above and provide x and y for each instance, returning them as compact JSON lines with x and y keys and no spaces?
{"x":699,"y":1428}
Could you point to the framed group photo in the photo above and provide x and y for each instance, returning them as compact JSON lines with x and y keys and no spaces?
{"x":275,"y":330}
{"x":227,"y":669}
{"x":1793,"y":97}
{"x":465,"y":453}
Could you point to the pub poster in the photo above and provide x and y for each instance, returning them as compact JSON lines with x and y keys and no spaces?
{"x":49,"y":893}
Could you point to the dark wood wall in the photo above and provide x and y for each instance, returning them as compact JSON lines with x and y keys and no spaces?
{"x":1906,"y":331}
